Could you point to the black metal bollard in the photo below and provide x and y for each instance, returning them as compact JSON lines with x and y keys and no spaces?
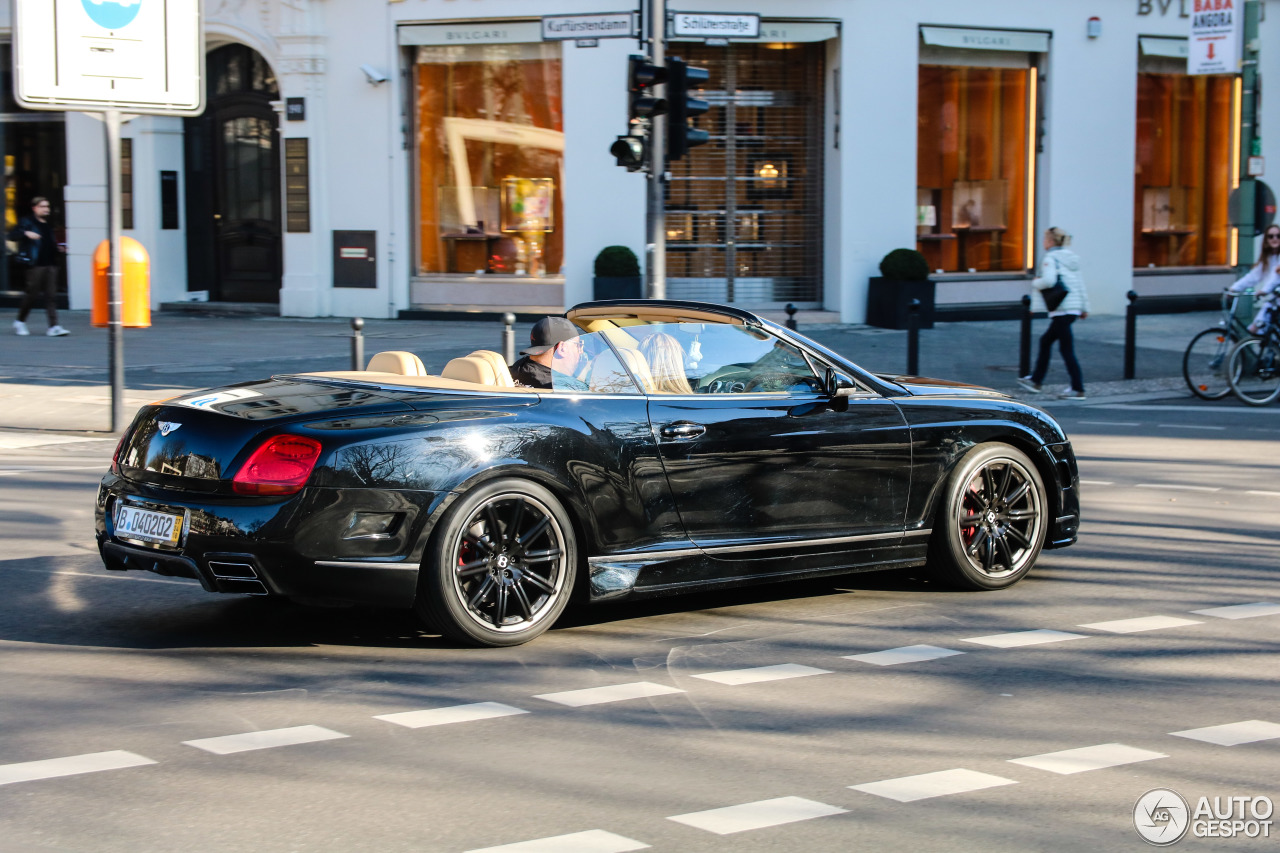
{"x":357,"y":344}
{"x":913,"y":338}
{"x":791,"y":316}
{"x":1024,"y":338}
{"x":509,"y":338}
{"x":1131,"y":335}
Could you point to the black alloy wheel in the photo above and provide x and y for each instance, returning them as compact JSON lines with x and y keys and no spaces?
{"x":992,"y":521}
{"x":500,"y":566}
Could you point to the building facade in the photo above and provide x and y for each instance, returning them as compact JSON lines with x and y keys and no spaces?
{"x":364,"y":157}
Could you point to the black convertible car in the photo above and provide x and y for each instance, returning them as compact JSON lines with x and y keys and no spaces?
{"x":691,"y":446}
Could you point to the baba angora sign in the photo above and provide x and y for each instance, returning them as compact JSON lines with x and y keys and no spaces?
{"x":138,"y":56}
{"x":1215,"y":37}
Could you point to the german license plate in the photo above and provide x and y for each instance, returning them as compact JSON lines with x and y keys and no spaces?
{"x":135,"y":523}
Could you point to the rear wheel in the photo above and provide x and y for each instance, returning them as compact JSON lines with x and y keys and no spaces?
{"x":1204,"y":364}
{"x":500,"y":568}
{"x":992,"y":521}
{"x":1254,"y":371}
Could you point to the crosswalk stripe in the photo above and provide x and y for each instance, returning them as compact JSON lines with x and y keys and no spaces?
{"x":267,"y":739}
{"x":591,"y":841}
{"x":1024,"y":638}
{"x":1241,"y":611}
{"x":905,"y":654}
{"x":908,"y":789}
{"x":612,"y":693}
{"x":759,"y":815}
{"x":1086,"y":758}
{"x":1233,"y":734}
{"x":72,"y":765}
{"x":451,"y":714}
{"x":757,"y":674}
{"x":1141,"y":623}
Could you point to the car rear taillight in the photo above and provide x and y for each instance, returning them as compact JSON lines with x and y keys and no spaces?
{"x":115,"y":457}
{"x":281,"y":466}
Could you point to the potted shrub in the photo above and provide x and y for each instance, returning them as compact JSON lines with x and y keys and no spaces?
{"x":617,"y":274}
{"x":904,"y":275}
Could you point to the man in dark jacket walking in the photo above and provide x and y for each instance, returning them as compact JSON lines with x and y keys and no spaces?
{"x":38,"y":245}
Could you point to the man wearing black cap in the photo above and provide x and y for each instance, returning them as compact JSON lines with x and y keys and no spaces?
{"x":552,"y":356}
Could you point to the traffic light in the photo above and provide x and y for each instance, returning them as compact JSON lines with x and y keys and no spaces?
{"x":681,"y":108}
{"x":632,"y":149}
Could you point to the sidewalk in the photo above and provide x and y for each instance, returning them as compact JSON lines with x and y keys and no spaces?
{"x":61,"y":384}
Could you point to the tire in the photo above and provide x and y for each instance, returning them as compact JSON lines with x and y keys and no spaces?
{"x":1204,"y":364}
{"x":1254,"y":372}
{"x":992,"y":520}
{"x":500,"y":567}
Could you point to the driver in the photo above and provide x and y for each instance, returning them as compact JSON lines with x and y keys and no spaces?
{"x":551,"y":357}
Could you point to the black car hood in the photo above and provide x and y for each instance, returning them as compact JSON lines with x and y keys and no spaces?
{"x":922,"y":386}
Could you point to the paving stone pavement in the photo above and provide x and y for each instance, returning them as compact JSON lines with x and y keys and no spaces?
{"x":61,"y":384}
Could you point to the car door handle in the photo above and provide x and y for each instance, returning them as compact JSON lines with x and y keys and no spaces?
{"x":683,"y":429}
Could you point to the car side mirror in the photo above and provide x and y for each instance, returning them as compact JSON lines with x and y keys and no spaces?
{"x":836,"y":384}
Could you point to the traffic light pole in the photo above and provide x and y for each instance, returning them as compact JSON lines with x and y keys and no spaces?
{"x":655,"y":255}
{"x":1248,"y":137}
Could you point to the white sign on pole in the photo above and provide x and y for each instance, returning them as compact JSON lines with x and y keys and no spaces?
{"x":606,"y":26}
{"x":1215,"y":37}
{"x":137,"y":56}
{"x":714,"y":25}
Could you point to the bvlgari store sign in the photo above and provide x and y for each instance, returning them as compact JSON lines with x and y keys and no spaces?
{"x":1016,"y":40}
{"x":435,"y":35}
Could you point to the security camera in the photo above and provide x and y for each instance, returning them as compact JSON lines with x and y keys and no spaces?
{"x":373,"y":75}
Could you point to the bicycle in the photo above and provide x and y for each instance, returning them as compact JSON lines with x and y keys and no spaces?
{"x":1204,"y":364}
{"x":1253,"y":370}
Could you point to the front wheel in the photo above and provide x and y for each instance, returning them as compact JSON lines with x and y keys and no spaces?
{"x":1254,"y":371}
{"x":1204,"y":364}
{"x":992,"y":520}
{"x":500,"y":567}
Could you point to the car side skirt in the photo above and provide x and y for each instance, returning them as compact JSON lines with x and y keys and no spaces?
{"x":678,"y":570}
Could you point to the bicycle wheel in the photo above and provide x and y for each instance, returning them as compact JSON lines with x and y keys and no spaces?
{"x":1254,"y":371}
{"x":1204,"y":364}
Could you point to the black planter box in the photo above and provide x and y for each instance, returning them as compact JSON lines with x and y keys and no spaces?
{"x":616,"y":287}
{"x":889,"y":302}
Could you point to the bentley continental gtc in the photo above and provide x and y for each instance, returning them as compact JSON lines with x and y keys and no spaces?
{"x":690,"y":447}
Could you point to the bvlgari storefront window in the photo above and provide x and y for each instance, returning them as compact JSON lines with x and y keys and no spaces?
{"x":1184,"y":155}
{"x":490,"y":155}
{"x":975,"y":154}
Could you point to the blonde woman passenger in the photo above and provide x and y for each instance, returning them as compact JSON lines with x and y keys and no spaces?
{"x":666,"y":364}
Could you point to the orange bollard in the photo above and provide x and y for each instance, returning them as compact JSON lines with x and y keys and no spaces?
{"x":135,"y":285}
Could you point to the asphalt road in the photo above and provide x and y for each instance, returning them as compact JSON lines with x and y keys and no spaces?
{"x":730,"y":722}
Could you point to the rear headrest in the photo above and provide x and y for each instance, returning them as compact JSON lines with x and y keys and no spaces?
{"x":499,"y":365}
{"x":470,"y":369}
{"x":395,"y":361}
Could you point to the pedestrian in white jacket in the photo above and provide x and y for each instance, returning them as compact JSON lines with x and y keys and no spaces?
{"x":1264,"y":278}
{"x":1060,"y":263}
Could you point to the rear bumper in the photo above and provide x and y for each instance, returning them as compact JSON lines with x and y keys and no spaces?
{"x":288,"y":548}
{"x":1066,"y":480}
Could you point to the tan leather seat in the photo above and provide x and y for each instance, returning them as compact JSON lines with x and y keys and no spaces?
{"x":396,"y":361}
{"x":470,"y":369}
{"x":635,"y":362}
{"x":499,"y":365}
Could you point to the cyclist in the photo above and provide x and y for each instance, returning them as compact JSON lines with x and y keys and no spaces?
{"x":1263,"y":277}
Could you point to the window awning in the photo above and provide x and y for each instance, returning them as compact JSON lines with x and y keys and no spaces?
{"x":1156,"y":46}
{"x":1021,"y":40}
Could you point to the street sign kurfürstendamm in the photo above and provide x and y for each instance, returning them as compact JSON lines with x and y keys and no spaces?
{"x":136,"y":56}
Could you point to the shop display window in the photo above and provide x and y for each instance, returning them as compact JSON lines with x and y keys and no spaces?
{"x":490,"y":159}
{"x":973,"y":165}
{"x":1183,"y":170}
